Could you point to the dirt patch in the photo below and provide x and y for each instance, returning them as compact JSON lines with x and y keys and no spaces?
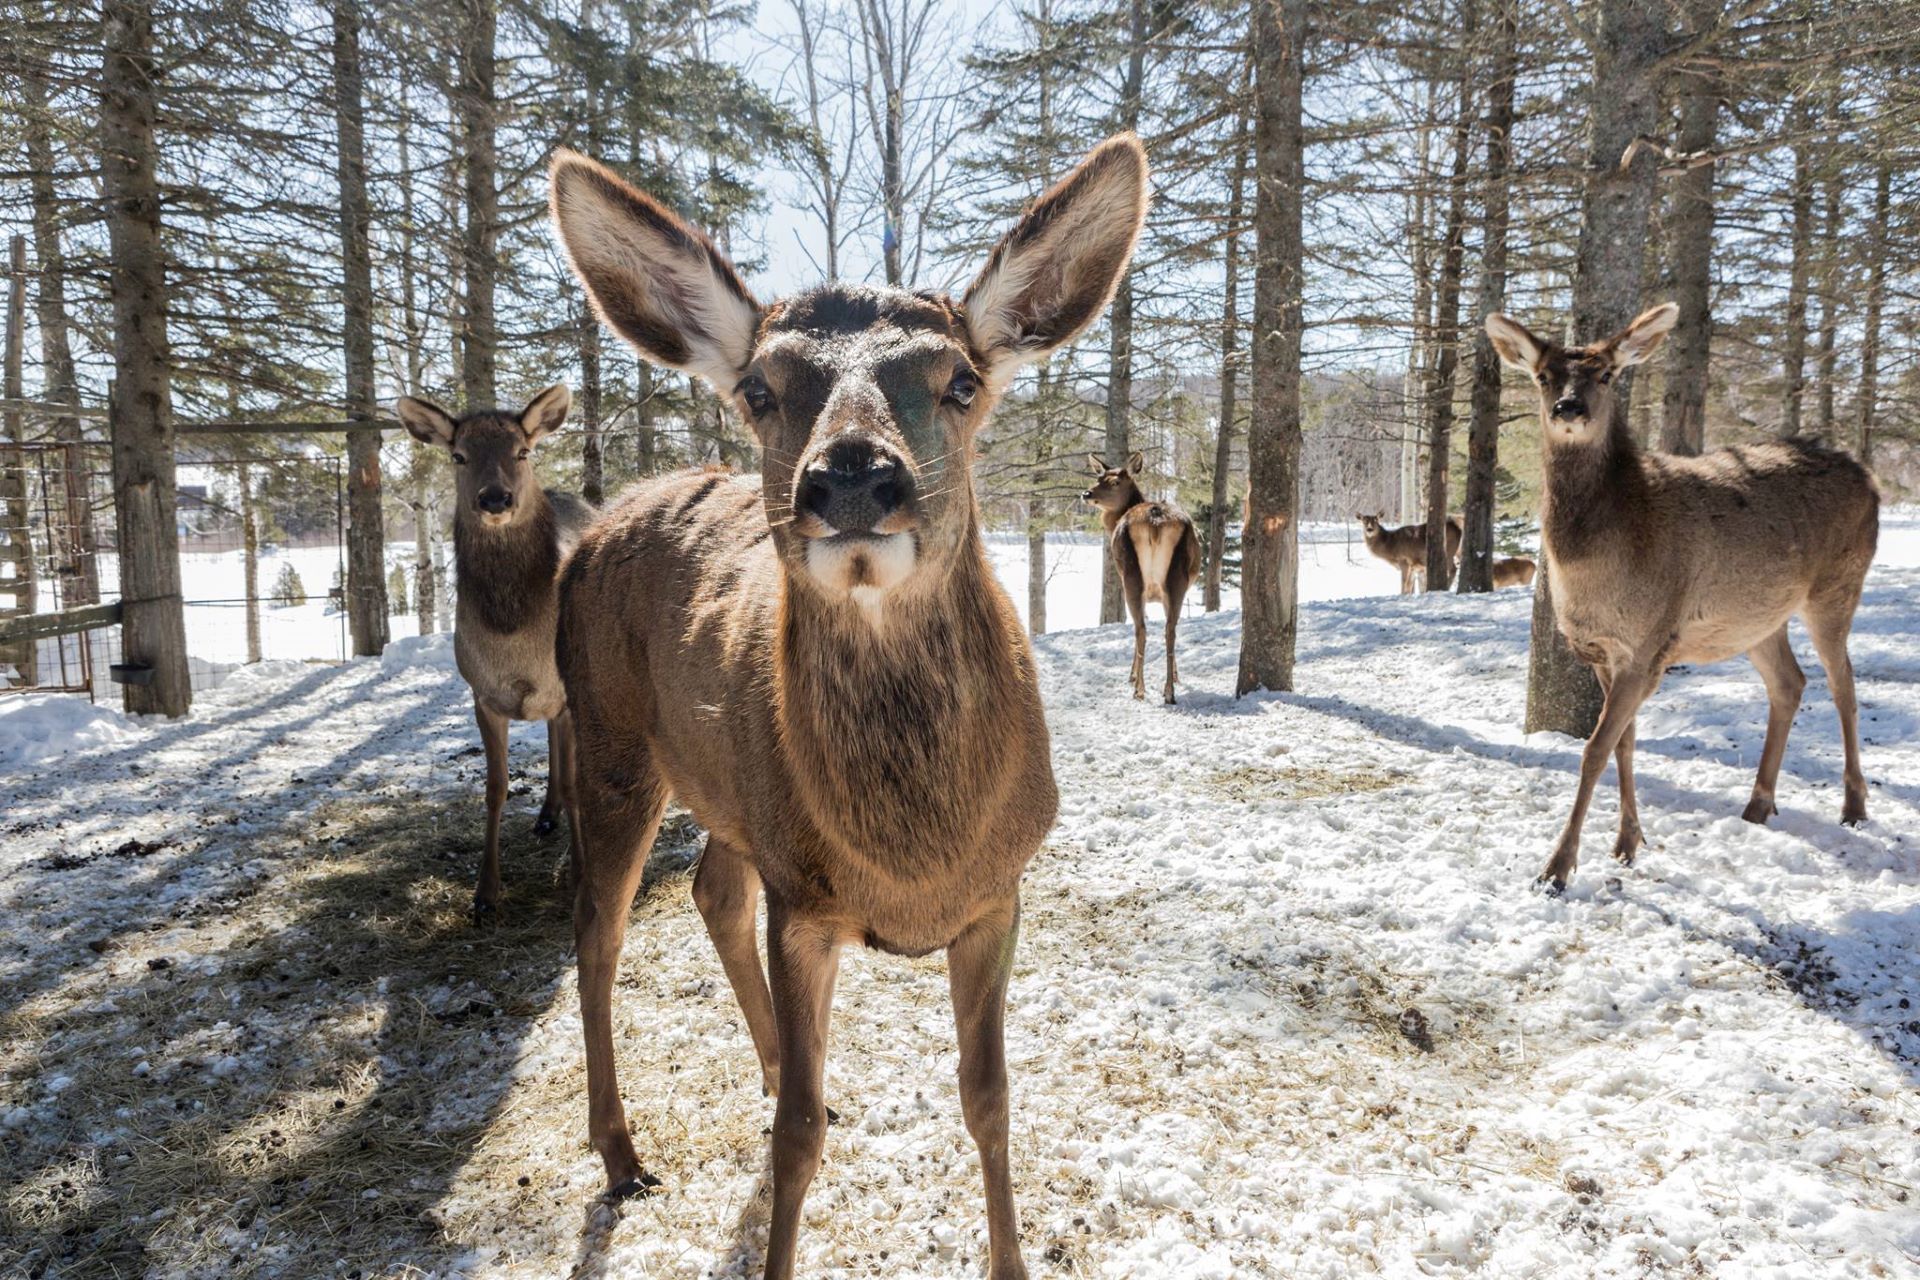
{"x":1299,"y":782}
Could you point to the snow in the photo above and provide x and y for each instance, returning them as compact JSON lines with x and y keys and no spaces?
{"x":1285,"y":1004}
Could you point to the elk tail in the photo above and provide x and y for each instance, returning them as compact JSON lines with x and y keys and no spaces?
{"x":1156,"y":514}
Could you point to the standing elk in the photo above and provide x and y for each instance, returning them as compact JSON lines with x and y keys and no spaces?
{"x":1513,"y":571}
{"x":1156,"y":552}
{"x":509,"y":538}
{"x":1405,"y":548}
{"x":821,"y":666}
{"x":1655,"y":560}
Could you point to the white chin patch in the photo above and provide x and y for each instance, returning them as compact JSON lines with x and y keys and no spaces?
{"x":865,"y":568}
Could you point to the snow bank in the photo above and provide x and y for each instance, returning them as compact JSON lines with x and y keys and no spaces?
{"x":39,"y":726}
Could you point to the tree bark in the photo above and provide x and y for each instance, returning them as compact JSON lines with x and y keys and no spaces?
{"x":1447,"y":331}
{"x":153,"y":631}
{"x":1876,"y":302}
{"x":1116,"y":444}
{"x":1270,"y":552}
{"x":21,"y":586}
{"x":424,"y":595}
{"x":1826,"y":351}
{"x":1562,"y":693}
{"x":1683,"y":426}
{"x":250,"y":561}
{"x":1036,"y":576}
{"x":366,"y":534}
{"x":1229,"y":371}
{"x":645,"y":441}
{"x":1483,"y":430}
{"x":1793,"y":361}
{"x":480,"y":341}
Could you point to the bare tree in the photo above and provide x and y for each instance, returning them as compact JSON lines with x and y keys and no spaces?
{"x":1483,"y":430}
{"x":1229,"y":366}
{"x":1446,"y":337}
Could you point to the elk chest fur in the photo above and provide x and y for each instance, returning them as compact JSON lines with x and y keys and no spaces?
{"x":504,"y":617}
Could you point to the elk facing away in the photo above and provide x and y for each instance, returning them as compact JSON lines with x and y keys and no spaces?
{"x":1513,"y":571}
{"x":820,"y":664}
{"x":1656,"y":560}
{"x":1405,"y":548}
{"x":1155,"y":550}
{"x":509,"y":537}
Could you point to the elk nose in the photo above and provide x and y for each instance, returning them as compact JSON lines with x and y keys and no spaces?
{"x":853,"y":486}
{"x":1569,"y":407}
{"x":494,"y":499}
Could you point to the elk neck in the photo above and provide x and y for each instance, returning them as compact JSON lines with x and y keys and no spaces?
{"x":1130,"y":497}
{"x":506,"y":575}
{"x":1586,"y":486}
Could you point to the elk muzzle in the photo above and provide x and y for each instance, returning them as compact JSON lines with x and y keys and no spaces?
{"x":1569,"y":409}
{"x":494,"y":503}
{"x":853,"y":502}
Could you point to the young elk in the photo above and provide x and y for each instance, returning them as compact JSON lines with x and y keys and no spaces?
{"x":1405,"y":548}
{"x":1155,"y":550}
{"x":509,"y":537}
{"x":1656,"y":560}
{"x":820,"y":664}
{"x":1514,"y":571}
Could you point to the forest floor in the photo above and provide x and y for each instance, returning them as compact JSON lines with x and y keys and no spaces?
{"x":1285,"y":1004}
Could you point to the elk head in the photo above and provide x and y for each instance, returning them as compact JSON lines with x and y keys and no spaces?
{"x":1369,"y":525}
{"x":492,"y":451}
{"x":865,"y":400}
{"x":1114,"y":488}
{"x":1576,"y":383}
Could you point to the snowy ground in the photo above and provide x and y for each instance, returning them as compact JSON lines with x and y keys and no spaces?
{"x":1284,"y":1004}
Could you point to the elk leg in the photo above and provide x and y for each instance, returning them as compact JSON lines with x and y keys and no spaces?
{"x":493,"y":736}
{"x":1176,"y":592}
{"x":802,"y":959}
{"x":560,"y":729}
{"x":619,"y":826}
{"x":726,"y":888}
{"x":979,"y":962}
{"x":1624,"y":696}
{"x":1627,"y":843}
{"x":1785,"y":682}
{"x":1829,"y":623}
{"x":549,"y":819}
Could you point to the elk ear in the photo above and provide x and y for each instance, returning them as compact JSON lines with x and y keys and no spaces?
{"x":1098,"y":464}
{"x":654,"y":279}
{"x":1137,"y":463}
{"x":1643,"y":337}
{"x":1513,"y":343}
{"x":425,"y":421}
{"x":546,"y":411}
{"x":1053,"y":273}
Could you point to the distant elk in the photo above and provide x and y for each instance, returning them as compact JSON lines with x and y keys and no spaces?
{"x":1654,"y":560}
{"x":1405,"y":548}
{"x":1513,"y":571}
{"x":819,"y":663}
{"x":509,"y":537}
{"x":1155,"y":551}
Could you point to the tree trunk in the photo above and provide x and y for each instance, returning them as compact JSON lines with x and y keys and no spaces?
{"x":1876,"y":302}
{"x":1793,"y":361}
{"x":1116,"y":444}
{"x":153,"y":632}
{"x":1483,"y":430}
{"x":1413,"y":393}
{"x":480,"y":341}
{"x":1683,"y":427}
{"x":1269,"y":544}
{"x":366,"y":535}
{"x":1446,"y":338}
{"x":1036,"y":576}
{"x":79,"y":566}
{"x":593,"y":479}
{"x":1562,"y":693}
{"x":424,"y":595}
{"x":1229,"y":371}
{"x":645,"y":441}
{"x":250,"y":561}
{"x":1831,"y":284}
{"x":21,"y":586}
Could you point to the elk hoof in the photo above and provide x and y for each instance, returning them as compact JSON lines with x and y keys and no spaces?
{"x":1626,"y":848}
{"x":632,"y":1189}
{"x":1854,"y":811}
{"x":545,"y":825}
{"x":1759,"y":809}
{"x":1551,"y":886}
{"x":486,"y":911}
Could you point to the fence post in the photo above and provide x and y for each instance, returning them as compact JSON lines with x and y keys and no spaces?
{"x":19,"y":586}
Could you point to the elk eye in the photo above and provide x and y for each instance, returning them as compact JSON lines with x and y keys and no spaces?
{"x":459,"y":459}
{"x":759,"y":399}
{"x":1606,"y":377}
{"x":961,"y":390}
{"x":524,"y":454}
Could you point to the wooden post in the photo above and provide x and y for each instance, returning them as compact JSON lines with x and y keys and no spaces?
{"x":18,"y":586}
{"x":140,"y":412}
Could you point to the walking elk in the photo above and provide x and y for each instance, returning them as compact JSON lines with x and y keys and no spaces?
{"x":1655,"y":559}
{"x":1405,"y":548}
{"x":821,"y":666}
{"x":1155,"y":551}
{"x":509,"y":537}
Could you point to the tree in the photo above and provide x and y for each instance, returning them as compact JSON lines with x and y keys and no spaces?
{"x":1689,"y":224}
{"x":1270,"y":552}
{"x":1446,"y":337}
{"x":1229,"y":368}
{"x":480,"y":334}
{"x":153,"y":631}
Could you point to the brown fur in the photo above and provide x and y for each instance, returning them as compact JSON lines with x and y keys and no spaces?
{"x":506,"y":568}
{"x":1656,"y":559}
{"x":851,"y":710}
{"x":1514,"y":571}
{"x":1156,"y":551}
{"x":1405,"y":548}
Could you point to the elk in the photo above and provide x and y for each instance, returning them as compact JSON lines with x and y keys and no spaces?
{"x":1405,"y":548}
{"x":1656,"y":559}
{"x":509,"y":538}
{"x":1155,"y":550}
{"x":820,"y":665}
{"x":1513,"y":571}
